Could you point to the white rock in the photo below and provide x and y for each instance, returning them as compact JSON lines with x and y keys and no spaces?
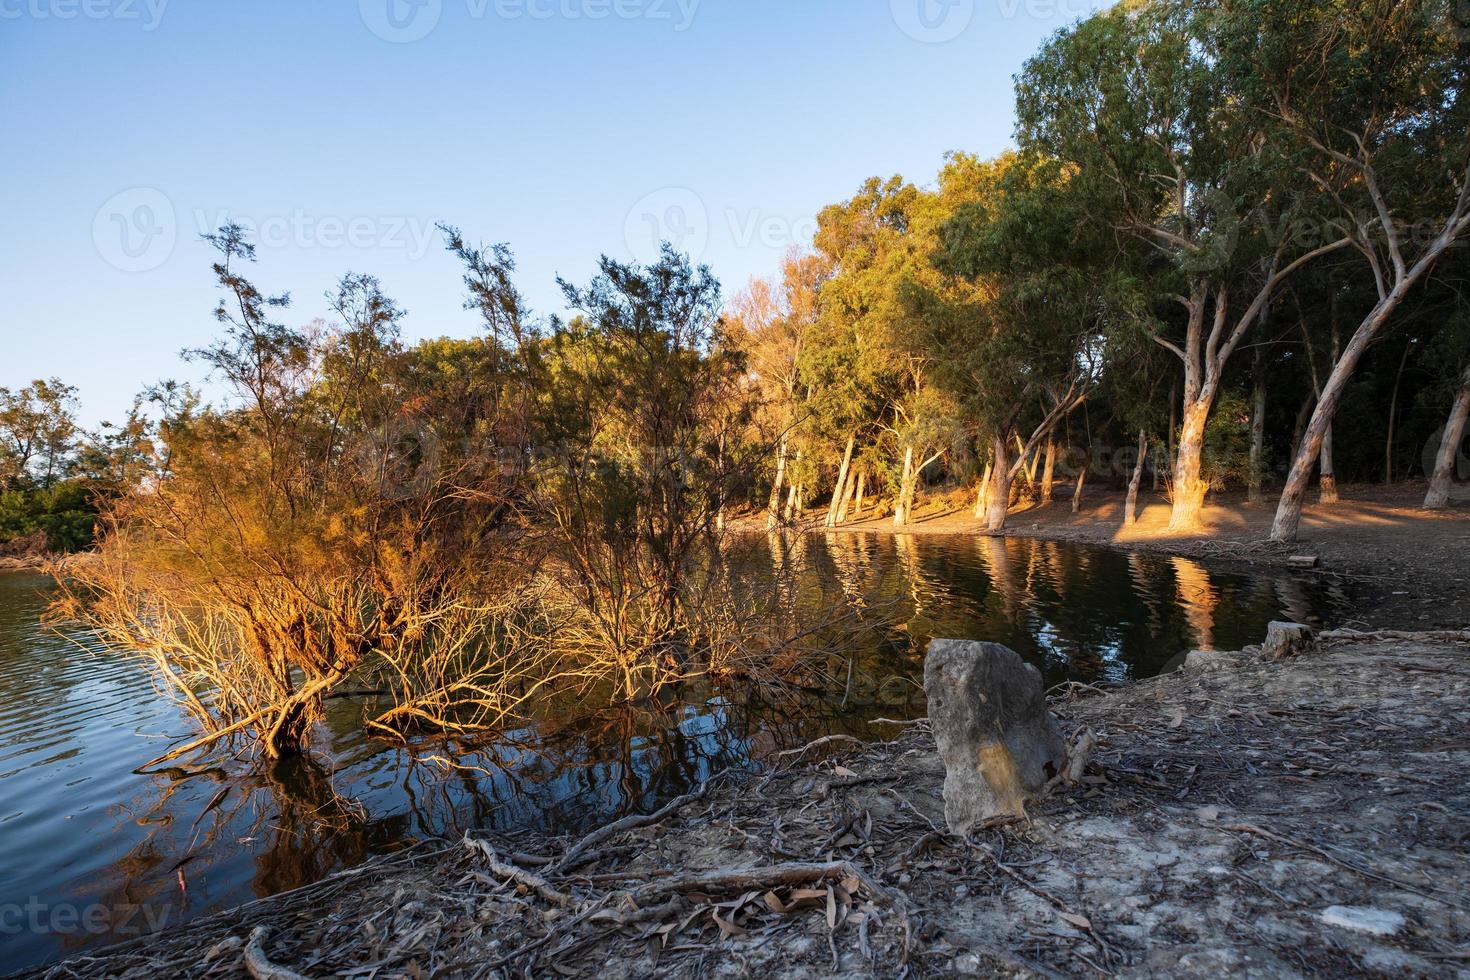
{"x":1375,"y":922}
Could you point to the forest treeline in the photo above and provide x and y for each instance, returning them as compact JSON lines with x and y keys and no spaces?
{"x":1230,"y":243}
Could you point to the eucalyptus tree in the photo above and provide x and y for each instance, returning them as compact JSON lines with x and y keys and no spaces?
{"x":865,"y":359}
{"x":1020,"y":349}
{"x":771,"y":323}
{"x":1373,"y":94}
{"x":1137,"y":99}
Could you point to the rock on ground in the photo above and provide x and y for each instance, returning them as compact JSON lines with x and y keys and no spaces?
{"x":998,"y":740}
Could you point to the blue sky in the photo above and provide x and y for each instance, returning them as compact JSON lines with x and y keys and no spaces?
{"x":342,"y":130}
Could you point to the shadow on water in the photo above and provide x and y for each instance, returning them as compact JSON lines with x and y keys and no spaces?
{"x":94,"y":853}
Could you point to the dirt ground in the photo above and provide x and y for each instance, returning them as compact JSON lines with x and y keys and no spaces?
{"x":1417,"y":561}
{"x":1233,"y":818}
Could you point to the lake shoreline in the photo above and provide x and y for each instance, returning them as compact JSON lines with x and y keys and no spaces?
{"x":1374,"y":534}
{"x":1207,"y":837}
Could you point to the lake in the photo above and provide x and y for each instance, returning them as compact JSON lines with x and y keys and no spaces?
{"x":93,"y":853}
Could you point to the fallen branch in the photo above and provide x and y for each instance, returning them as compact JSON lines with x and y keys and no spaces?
{"x":531,"y":881}
{"x":259,"y":965}
{"x":818,"y":743}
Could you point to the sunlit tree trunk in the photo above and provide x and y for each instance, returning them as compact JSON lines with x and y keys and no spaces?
{"x":1449,"y":447}
{"x":900,"y":510}
{"x":861,"y":486}
{"x":1189,"y":484}
{"x":982,"y":495}
{"x":773,"y":508}
{"x":1327,"y":481}
{"x":848,"y":495}
{"x":1048,"y":473}
{"x":1077,"y":494}
{"x":998,"y":504}
{"x":840,"y":491}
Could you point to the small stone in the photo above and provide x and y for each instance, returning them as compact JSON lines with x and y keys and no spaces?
{"x":999,"y":743}
{"x":1375,"y":922}
{"x":1212,"y":659}
{"x":1286,"y":640}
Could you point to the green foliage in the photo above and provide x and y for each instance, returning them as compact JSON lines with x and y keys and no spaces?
{"x":64,"y":512}
{"x":1226,"y":459}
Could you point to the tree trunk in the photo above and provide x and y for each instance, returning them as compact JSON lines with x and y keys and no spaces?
{"x":1000,"y":490}
{"x":1130,"y":507}
{"x":1438,"y":496}
{"x":1258,"y":429}
{"x":772,"y":510}
{"x":1048,"y":472}
{"x":1189,"y":485}
{"x":1077,"y":494}
{"x":1328,"y":485}
{"x":861,"y":486}
{"x":982,"y":496}
{"x":839,"y":491}
{"x":1289,"y":510}
{"x":847,"y":496}
{"x":900,"y":511}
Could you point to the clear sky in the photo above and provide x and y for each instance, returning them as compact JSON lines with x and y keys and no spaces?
{"x":342,"y":130}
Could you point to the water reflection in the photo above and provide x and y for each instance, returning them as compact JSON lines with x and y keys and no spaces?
{"x":80,"y":827}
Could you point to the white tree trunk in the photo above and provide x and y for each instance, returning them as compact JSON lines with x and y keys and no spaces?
{"x":1438,"y":496}
{"x":1048,"y":473}
{"x":998,"y":504}
{"x":773,"y":516}
{"x":982,"y":496}
{"x":840,"y":490}
{"x":900,"y":511}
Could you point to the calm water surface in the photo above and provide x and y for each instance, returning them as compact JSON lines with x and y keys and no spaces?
{"x":92,"y":853}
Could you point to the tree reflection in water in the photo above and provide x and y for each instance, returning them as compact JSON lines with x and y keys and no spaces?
{"x":217,"y":835}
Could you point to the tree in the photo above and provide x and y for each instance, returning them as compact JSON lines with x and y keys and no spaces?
{"x":1023,"y":349}
{"x":1138,"y":99}
{"x":38,"y":433}
{"x":1374,"y":95}
{"x":641,"y":404}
